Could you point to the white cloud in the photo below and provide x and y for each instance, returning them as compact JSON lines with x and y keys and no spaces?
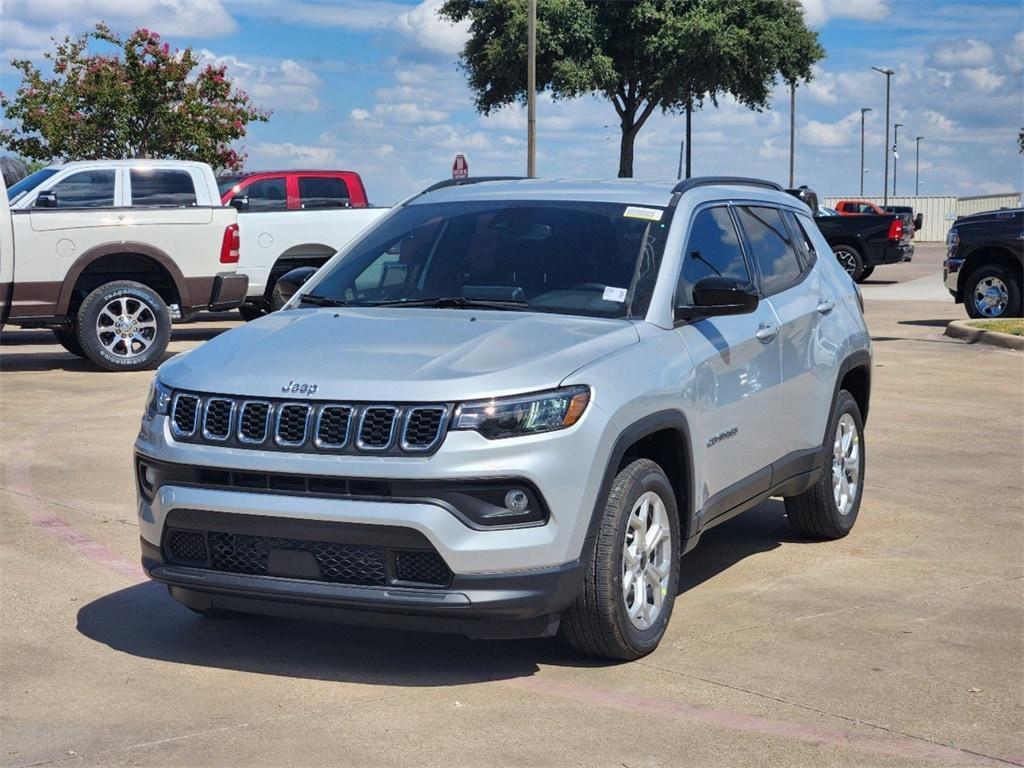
{"x":423,"y":26}
{"x":359,"y":114}
{"x":287,"y":153}
{"x":819,"y":12}
{"x":816,"y":133}
{"x":951,"y":55}
{"x":279,"y":85}
{"x":408,"y":113}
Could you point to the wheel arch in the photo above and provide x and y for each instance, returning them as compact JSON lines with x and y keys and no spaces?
{"x":983,"y":256}
{"x":855,"y":377}
{"x":140,"y":262}
{"x":664,"y":438}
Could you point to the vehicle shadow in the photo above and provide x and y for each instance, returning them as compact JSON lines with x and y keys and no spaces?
{"x":56,"y":358}
{"x":926,"y":323}
{"x":144,"y":621}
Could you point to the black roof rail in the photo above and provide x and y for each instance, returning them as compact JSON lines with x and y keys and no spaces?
{"x":706,"y":181}
{"x":469,"y":180}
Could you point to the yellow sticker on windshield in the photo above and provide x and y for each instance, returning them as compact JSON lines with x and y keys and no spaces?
{"x":648,"y":214}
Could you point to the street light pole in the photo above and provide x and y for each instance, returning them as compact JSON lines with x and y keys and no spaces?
{"x":885,"y":180}
{"x":531,"y":89}
{"x":895,"y":155}
{"x":917,"y":167}
{"x":792,"y":129}
{"x":863,"y":111}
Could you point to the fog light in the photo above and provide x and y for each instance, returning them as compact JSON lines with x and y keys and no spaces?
{"x":516,"y":501}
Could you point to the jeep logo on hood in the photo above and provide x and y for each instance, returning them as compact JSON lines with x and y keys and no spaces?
{"x":294,"y":388}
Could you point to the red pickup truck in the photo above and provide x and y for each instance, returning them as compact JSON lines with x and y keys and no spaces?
{"x":294,"y":190}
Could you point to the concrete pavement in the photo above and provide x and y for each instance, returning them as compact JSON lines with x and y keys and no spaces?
{"x":901,"y":645}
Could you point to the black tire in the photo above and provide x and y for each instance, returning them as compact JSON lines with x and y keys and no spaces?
{"x":69,"y":340}
{"x":866,"y":273}
{"x":849,"y":258}
{"x":994,"y":272}
{"x":250,"y":312}
{"x":99,"y":337}
{"x":814,"y":513}
{"x":277,"y":299}
{"x":597,"y":623}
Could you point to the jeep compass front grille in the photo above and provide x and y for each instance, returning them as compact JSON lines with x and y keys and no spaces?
{"x":308,"y":426}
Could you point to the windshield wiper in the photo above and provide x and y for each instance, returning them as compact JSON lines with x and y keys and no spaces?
{"x":455,"y":302}
{"x":322,"y":301}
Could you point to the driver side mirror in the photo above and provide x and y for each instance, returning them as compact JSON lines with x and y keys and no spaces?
{"x":46,"y":199}
{"x":714,"y":296}
{"x":240,"y":203}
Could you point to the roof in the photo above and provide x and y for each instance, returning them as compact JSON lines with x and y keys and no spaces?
{"x":630,"y":191}
{"x":133,"y":163}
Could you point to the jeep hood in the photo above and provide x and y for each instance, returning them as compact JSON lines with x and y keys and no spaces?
{"x":398,"y":354}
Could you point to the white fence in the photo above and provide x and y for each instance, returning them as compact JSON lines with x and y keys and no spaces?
{"x":939,"y":212}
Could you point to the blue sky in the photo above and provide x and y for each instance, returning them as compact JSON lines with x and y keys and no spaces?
{"x":372,"y":85}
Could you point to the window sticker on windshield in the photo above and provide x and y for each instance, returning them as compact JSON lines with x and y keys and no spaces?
{"x":648,"y":214}
{"x":614,"y":294}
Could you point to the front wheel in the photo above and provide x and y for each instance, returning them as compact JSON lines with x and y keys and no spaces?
{"x":69,"y":340}
{"x":992,"y":292}
{"x":849,"y":258}
{"x":828,"y":509}
{"x":123,"y":326}
{"x":631,"y":582}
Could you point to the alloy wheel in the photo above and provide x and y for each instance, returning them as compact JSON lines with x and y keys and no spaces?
{"x":846,"y":464}
{"x":126,"y":327}
{"x":646,"y":560}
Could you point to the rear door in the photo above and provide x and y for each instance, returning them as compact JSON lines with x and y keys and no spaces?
{"x":737,"y":363}
{"x":785,"y":258}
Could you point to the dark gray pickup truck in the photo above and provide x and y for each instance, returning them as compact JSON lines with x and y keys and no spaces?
{"x":862,"y":243}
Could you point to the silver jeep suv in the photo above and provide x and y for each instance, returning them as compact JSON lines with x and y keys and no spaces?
{"x":510,"y":408}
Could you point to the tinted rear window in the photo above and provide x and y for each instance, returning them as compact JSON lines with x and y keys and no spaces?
{"x":162,"y":187}
{"x":772,"y":248}
{"x":323,"y":192}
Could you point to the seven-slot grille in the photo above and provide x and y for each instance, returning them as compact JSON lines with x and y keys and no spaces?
{"x":308,"y":426}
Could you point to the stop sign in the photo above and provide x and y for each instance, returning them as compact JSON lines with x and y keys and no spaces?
{"x":460,"y":167}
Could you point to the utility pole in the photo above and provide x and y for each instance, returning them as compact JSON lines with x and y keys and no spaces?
{"x":682,"y":145}
{"x":863,"y":111}
{"x":917,"y":167}
{"x":895,"y":155}
{"x":689,"y":143}
{"x":885,"y":151}
{"x":792,"y":129}
{"x":531,"y":89}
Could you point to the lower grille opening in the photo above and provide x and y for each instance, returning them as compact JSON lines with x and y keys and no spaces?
{"x":358,"y":564}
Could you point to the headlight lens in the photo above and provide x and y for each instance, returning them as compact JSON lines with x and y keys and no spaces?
{"x":159,"y":401}
{"x":524,"y":414}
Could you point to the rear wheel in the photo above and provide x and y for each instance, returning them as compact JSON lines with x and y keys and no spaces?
{"x":866,"y":273}
{"x":631,"y":582}
{"x":123,"y":326}
{"x":67,"y":338}
{"x":849,"y":258}
{"x":250,"y":312}
{"x":992,"y":292}
{"x":828,"y":509}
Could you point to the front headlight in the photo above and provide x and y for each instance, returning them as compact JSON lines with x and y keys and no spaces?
{"x":159,"y":400}
{"x":523,"y":414}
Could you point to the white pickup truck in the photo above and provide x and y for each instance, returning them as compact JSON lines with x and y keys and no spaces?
{"x":108,"y":253}
{"x":286,"y":219}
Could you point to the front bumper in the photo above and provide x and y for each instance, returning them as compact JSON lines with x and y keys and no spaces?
{"x":503,"y":605}
{"x":229,"y":289}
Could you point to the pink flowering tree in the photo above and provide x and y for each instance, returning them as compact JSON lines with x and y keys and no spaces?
{"x":143,"y":100}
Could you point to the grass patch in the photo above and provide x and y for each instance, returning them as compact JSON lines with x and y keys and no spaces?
{"x":1014,"y":326}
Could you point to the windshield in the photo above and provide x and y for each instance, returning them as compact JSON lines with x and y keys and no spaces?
{"x":30,"y":182}
{"x":597,"y":259}
{"x":224,"y":183}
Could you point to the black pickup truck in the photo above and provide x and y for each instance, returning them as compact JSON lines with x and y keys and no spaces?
{"x":984,"y":265}
{"x":862,"y":243}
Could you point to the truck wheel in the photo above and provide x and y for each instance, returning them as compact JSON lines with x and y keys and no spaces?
{"x":277,"y":299}
{"x":849,"y":258}
{"x":866,"y":273}
{"x":250,"y":312}
{"x":828,"y":509}
{"x":123,"y":326}
{"x":631,"y":581}
{"x":992,"y":291}
{"x":69,"y":340}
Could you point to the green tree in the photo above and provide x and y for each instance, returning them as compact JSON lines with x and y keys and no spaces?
{"x":144,"y":100}
{"x":641,"y":55}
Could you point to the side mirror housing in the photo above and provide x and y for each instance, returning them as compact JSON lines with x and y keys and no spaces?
{"x":288,"y":283}
{"x":240,"y":203}
{"x":919,"y":222}
{"x":46,"y":199}
{"x":714,"y":296}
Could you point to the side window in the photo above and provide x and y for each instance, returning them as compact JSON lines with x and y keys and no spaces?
{"x":772,"y":248}
{"x":162,"y":187}
{"x":713,"y":248}
{"x":323,"y":192}
{"x":267,"y":195}
{"x":86,"y":189}
{"x":801,"y":238}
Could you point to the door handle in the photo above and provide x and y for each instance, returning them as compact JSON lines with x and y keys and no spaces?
{"x":766,"y":332}
{"x":826,"y":304}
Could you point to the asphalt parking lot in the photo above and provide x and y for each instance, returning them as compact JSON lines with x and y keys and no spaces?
{"x":901,"y":645}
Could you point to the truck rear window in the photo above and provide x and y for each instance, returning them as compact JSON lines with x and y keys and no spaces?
{"x":323,"y":192}
{"x":162,"y":187}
